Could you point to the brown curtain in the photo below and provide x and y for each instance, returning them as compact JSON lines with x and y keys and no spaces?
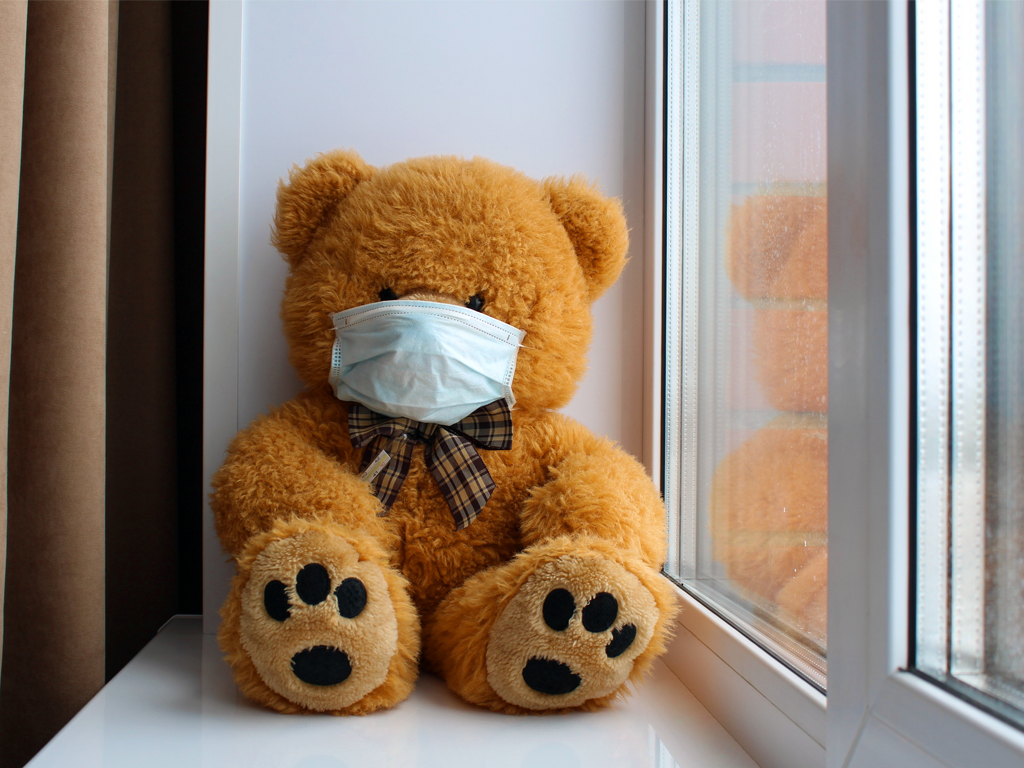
{"x":87,"y":318}
{"x":141,"y":499}
{"x":12,"y":62}
{"x":54,"y":590}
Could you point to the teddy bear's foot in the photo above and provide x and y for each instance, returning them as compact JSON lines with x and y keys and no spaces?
{"x":313,"y":622}
{"x":583,"y":620}
{"x":571,"y":634}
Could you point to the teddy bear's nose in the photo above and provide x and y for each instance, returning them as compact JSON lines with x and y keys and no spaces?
{"x":321,"y":665}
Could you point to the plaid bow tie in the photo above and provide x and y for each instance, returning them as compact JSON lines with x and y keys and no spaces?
{"x":450,"y":454}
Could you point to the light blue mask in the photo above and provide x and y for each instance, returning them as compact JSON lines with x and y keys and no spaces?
{"x":423,"y":360}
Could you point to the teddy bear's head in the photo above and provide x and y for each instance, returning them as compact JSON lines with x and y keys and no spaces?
{"x":532,"y":254}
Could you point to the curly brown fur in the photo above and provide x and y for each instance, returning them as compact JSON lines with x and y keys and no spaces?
{"x":309,"y":198}
{"x":587,"y":476}
{"x":595,"y":226}
{"x":296,"y":461}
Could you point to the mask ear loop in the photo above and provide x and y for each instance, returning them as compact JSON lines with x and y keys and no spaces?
{"x":335,"y":363}
{"x":510,"y":398}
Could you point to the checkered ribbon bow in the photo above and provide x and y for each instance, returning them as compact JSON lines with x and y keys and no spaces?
{"x":450,"y":454}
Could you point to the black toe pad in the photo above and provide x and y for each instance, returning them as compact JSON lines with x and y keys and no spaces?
{"x":551,"y":677}
{"x":313,"y":584}
{"x":275,"y":600}
{"x":600,"y":612}
{"x":559,"y":606}
{"x":321,"y":665}
{"x":351,"y":596}
{"x":621,"y":640}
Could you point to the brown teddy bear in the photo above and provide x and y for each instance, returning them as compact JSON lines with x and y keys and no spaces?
{"x":423,"y":492}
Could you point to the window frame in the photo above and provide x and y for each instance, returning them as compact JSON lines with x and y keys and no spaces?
{"x":880,"y":712}
{"x":776,"y":716}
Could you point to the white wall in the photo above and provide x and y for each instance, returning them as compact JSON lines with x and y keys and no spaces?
{"x":546,"y":87}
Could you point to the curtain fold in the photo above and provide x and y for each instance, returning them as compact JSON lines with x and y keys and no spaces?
{"x":13,"y":17}
{"x":54,"y":593}
{"x":141,"y":468}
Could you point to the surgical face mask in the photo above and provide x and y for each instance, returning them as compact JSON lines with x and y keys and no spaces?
{"x":423,"y":360}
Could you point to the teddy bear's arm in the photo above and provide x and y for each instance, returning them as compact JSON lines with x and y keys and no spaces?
{"x":593,"y":488}
{"x":291,"y":463}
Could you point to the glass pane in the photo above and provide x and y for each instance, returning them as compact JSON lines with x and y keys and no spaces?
{"x":970,"y":606}
{"x":751,"y":449}
{"x":1004,"y":613}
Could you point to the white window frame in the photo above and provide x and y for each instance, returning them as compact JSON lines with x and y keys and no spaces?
{"x":776,"y":716}
{"x":878,"y":714}
{"x":221,"y":297}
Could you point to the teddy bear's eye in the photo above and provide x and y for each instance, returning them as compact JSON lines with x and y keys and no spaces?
{"x":387,"y":295}
{"x":476,"y":301}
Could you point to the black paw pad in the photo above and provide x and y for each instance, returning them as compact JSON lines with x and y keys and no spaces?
{"x":275,"y":600}
{"x":621,"y":640}
{"x":600,"y":612}
{"x":321,"y":665}
{"x":351,"y":596}
{"x":559,"y":606}
{"x":313,"y":584}
{"x":551,"y":677}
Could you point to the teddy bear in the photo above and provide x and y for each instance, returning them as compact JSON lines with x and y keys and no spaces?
{"x":422,"y":504}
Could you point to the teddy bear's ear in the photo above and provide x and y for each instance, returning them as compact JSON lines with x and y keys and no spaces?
{"x":596,"y":227}
{"x":310,"y":195}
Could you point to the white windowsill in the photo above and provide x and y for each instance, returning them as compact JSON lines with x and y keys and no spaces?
{"x":175,"y":704}
{"x":776,"y":716}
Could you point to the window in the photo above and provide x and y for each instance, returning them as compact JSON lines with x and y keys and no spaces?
{"x":746,"y":426}
{"x":970,"y":521}
{"x":924,"y":417}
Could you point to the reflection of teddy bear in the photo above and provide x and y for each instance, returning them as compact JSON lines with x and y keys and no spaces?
{"x":778,"y":258}
{"x":769,"y":498}
{"x":769,"y":513}
{"x":398,"y":501}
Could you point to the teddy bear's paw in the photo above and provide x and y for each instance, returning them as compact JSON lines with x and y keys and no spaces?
{"x":317,"y":622}
{"x":571,"y":634}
